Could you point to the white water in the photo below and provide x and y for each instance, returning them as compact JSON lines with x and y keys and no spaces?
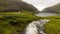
{"x":33,"y":27}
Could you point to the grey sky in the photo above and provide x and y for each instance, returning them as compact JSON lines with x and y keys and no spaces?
{"x":41,"y":4}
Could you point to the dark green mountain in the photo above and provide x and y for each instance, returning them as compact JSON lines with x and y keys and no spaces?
{"x":15,"y":5}
{"x":53,"y":9}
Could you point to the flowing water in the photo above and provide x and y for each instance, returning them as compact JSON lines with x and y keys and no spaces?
{"x":36,"y":27}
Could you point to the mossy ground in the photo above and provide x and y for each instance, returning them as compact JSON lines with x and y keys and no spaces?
{"x":13,"y":22}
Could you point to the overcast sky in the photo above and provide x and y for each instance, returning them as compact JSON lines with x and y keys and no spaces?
{"x":41,"y":4}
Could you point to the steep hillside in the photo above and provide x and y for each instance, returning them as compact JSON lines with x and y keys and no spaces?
{"x":15,"y":5}
{"x":53,"y":9}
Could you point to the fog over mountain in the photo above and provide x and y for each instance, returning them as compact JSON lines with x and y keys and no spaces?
{"x":41,"y":4}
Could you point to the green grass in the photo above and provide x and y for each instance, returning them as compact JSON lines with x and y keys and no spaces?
{"x":12,"y":22}
{"x":53,"y":26}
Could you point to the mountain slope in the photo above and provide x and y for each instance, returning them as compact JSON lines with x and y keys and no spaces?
{"x":15,"y":5}
{"x":53,"y":9}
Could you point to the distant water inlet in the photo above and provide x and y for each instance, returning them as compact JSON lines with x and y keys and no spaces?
{"x":45,"y":14}
{"x":36,"y":27}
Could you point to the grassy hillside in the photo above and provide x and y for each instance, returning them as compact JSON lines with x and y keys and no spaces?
{"x":53,"y":27}
{"x":12,"y":22}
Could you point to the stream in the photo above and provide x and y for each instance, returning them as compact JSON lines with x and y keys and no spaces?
{"x":36,"y":27}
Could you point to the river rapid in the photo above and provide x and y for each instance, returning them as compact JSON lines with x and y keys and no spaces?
{"x":36,"y":27}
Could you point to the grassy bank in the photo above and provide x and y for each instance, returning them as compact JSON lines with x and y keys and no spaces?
{"x":53,"y":26}
{"x":13,"y":22}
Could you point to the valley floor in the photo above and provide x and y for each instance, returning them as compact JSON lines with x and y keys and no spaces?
{"x":13,"y":22}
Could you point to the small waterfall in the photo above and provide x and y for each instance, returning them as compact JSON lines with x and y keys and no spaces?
{"x":36,"y":27}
